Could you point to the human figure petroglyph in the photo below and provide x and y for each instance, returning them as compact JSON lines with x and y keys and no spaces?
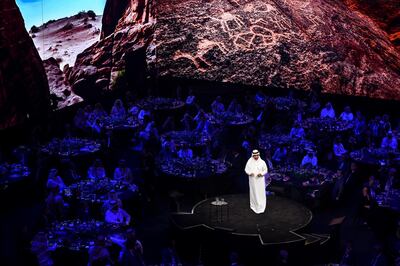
{"x":229,"y":22}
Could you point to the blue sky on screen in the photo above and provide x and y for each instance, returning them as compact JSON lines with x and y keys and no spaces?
{"x":37,"y":12}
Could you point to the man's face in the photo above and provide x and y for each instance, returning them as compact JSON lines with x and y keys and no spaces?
{"x":256,"y":157}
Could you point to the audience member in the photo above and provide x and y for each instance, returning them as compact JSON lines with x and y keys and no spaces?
{"x":117,"y":215}
{"x":389,"y":142}
{"x":98,"y":253}
{"x":118,"y":111}
{"x":346,"y":115}
{"x":97,"y":171}
{"x":309,"y":160}
{"x":328,"y":111}
{"x":297,"y":131}
{"x":185,"y":152}
{"x":217,"y":107}
{"x":122,"y":172}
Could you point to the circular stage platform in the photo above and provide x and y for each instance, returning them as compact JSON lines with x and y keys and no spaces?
{"x":277,"y":225}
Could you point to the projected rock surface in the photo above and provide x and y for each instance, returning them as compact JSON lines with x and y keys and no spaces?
{"x":285,"y":43}
{"x":386,"y":13}
{"x":24,"y":90}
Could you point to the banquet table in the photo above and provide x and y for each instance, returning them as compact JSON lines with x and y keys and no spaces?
{"x":303,"y":184}
{"x":191,"y":138}
{"x":230,"y":119}
{"x":68,"y":147}
{"x":326,"y":125}
{"x":110,"y":123}
{"x":96,"y":190}
{"x":272,"y":141}
{"x":376,"y":156}
{"x":160,"y":103}
{"x":389,"y":199}
{"x":13,"y":173}
{"x":78,"y":235}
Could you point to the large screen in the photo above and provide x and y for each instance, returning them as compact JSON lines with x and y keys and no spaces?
{"x":281,"y":43}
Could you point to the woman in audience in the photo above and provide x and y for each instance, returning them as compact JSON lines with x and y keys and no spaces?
{"x":54,"y":179}
{"x":98,"y":253}
{"x":118,"y":111}
{"x":117,"y":215}
{"x":122,"y":172}
{"x":97,"y":171}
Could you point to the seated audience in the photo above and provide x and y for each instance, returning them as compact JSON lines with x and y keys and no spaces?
{"x":217,"y":107}
{"x":54,"y":179}
{"x":168,"y":147}
{"x":191,"y":98}
{"x":54,"y":204}
{"x":98,"y":253}
{"x":80,"y":119}
{"x":328,"y":111}
{"x":309,"y":160}
{"x":347,"y":115}
{"x":234,"y":107}
{"x":185,"y":152}
{"x":122,"y":172}
{"x":40,"y":247}
{"x":280,"y":155}
{"x":132,"y":252}
{"x":118,"y":111}
{"x":97,"y":171}
{"x":117,"y":215}
{"x":187,"y":122}
{"x":373,"y":186}
{"x":99,"y":111}
{"x":338,"y":148}
{"x":112,"y":196}
{"x":389,"y":142}
{"x":297,"y":131}
{"x":144,"y":115}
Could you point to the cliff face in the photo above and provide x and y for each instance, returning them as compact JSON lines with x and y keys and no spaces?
{"x":283,"y":43}
{"x":24,"y":90}
{"x":386,"y":13}
{"x":126,"y":35}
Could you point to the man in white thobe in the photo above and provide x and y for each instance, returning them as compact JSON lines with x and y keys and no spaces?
{"x":256,"y":169}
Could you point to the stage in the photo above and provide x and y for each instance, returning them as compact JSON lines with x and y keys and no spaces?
{"x":279,"y":224}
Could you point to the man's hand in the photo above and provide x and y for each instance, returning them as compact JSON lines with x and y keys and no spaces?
{"x":251,"y":175}
{"x":259,"y":175}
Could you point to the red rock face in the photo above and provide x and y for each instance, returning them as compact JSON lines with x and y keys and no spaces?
{"x":24,"y":90}
{"x":386,"y":13}
{"x":284,"y":43}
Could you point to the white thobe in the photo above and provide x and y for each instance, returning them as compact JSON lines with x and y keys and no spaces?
{"x":258,"y":199}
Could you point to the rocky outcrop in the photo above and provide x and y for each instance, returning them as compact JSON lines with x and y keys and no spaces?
{"x":24,"y":91}
{"x":127,"y":33}
{"x":386,"y":13}
{"x":61,"y":94}
{"x":283,"y":43}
